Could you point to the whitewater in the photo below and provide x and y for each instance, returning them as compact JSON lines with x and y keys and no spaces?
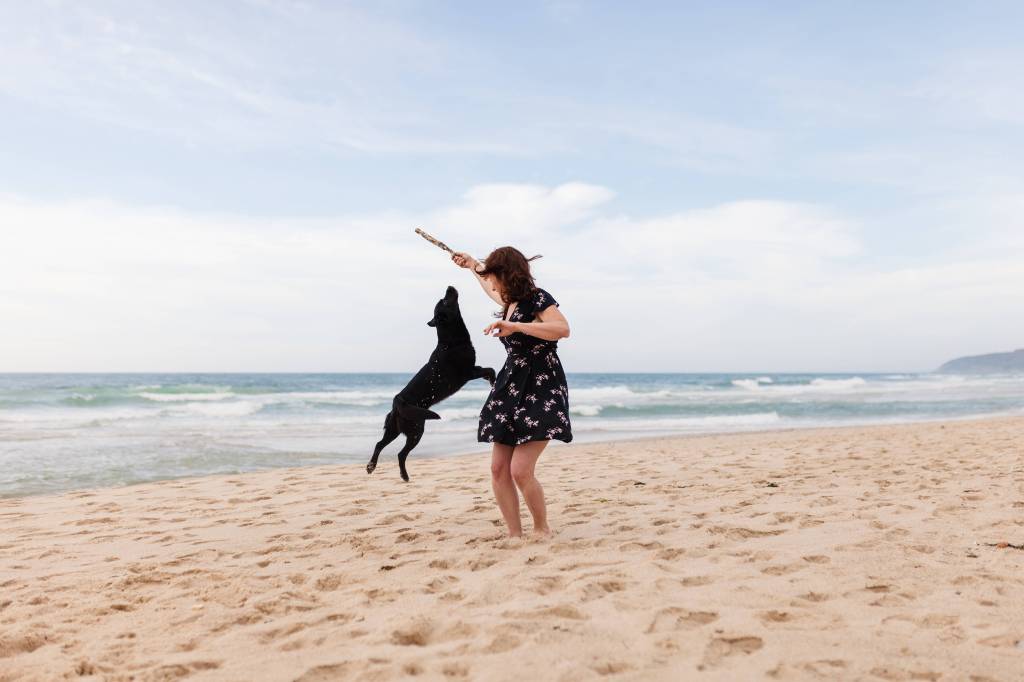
{"x":67,"y":431}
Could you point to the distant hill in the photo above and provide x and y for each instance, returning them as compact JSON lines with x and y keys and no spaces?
{"x":991,"y":363}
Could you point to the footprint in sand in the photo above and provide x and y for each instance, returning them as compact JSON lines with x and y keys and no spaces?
{"x":502,"y":643}
{"x":611,"y":667}
{"x":797,"y":618}
{"x":826,"y":668}
{"x":737,"y":533}
{"x":815,"y":597}
{"x":395,"y":518}
{"x":567,"y":611}
{"x":415,"y":634}
{"x":602,"y":588}
{"x":354,"y":511}
{"x":696,"y":580}
{"x":21,"y":644}
{"x":173,"y":672}
{"x":640,"y":545}
{"x":676,"y":618}
{"x":271,"y":636}
{"x":440,"y":584}
{"x":1004,"y":641}
{"x":935,"y":621}
{"x":454,"y":596}
{"x":423,"y":631}
{"x":85,"y":668}
{"x":782,"y":569}
{"x":455,"y":670}
{"x":893,"y":673}
{"x":546,"y":584}
{"x":326,"y":673}
{"x":412,"y":669}
{"x":720,"y":648}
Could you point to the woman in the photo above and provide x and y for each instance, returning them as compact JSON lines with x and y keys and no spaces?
{"x":529,"y":403}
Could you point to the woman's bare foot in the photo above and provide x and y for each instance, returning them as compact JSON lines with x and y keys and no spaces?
{"x":544,"y":532}
{"x":510,"y":542}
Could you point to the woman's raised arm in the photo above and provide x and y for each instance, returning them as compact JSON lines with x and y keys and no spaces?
{"x":464,"y":260}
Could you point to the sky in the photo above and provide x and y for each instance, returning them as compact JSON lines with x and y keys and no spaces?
{"x":764,"y":187}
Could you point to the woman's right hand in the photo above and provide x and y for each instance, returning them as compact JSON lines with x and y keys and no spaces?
{"x":464,"y":260}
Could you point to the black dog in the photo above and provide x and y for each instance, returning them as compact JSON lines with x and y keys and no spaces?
{"x":450,"y":366}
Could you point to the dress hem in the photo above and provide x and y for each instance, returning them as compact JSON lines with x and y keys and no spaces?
{"x":564,"y":439}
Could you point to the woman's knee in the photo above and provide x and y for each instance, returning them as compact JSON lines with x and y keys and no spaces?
{"x":521,"y":473}
{"x":501,"y":458}
{"x":500,"y":471}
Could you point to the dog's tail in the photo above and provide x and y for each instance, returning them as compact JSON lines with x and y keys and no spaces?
{"x":412,"y":412}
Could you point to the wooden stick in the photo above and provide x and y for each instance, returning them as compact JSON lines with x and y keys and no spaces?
{"x":432,"y":240}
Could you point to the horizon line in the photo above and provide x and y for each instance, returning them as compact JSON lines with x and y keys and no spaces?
{"x":413,"y":371}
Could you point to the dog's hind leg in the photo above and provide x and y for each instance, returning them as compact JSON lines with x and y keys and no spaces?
{"x":412,"y":438}
{"x":391,"y":432}
{"x":483,"y":373}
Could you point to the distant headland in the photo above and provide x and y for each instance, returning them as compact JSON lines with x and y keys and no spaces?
{"x":990,"y":363}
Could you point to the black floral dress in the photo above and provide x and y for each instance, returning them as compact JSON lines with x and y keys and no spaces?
{"x":530,"y":398}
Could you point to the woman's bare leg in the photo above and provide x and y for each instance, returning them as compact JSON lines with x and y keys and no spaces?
{"x":524,"y":461}
{"x":504,"y":489}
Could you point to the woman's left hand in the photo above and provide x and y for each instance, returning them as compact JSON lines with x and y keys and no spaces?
{"x":503,"y":327}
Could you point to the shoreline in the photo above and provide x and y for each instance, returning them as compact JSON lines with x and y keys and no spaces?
{"x":484,"y":447}
{"x":64,"y":433}
{"x":884,"y":552}
{"x":577,"y":442}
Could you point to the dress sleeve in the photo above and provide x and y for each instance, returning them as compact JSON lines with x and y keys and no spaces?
{"x":541,"y":301}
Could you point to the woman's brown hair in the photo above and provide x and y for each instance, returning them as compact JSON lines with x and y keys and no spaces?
{"x":512,"y":269}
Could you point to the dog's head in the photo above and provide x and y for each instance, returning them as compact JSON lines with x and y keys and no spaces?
{"x":447,"y":312}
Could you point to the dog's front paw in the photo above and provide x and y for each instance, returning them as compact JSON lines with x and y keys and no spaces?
{"x":490,"y":376}
{"x":405,"y":475}
{"x":370,"y":467}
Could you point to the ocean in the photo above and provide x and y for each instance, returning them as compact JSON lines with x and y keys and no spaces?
{"x":62,"y":432}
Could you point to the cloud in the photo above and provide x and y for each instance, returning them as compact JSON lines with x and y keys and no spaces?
{"x":748,"y":285}
{"x":527,"y":210}
{"x":741,"y":239}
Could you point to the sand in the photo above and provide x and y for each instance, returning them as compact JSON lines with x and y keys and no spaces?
{"x":855,"y":553}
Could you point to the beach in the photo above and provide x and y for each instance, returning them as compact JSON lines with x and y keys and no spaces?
{"x":876,"y":552}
